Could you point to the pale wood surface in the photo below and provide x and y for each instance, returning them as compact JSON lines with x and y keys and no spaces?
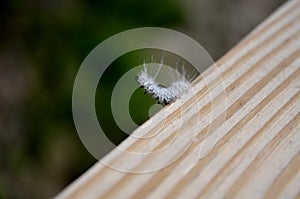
{"x":246,"y":149}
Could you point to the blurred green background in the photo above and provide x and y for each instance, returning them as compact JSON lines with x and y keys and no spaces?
{"x":42,"y":44}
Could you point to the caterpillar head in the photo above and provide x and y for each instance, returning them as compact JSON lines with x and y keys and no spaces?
{"x":143,"y":78}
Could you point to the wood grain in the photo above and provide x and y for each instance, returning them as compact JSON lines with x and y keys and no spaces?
{"x":237,"y":135}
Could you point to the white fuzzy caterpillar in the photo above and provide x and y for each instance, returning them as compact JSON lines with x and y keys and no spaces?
{"x":179,"y":86}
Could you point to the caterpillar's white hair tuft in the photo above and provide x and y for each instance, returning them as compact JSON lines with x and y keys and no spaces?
{"x":166,"y":95}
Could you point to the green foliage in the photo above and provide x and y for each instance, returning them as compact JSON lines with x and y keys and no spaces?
{"x":49,"y":39}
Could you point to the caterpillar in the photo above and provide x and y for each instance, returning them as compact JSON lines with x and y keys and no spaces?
{"x":164,"y":94}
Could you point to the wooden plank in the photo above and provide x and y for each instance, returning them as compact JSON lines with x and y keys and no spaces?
{"x":257,"y":150}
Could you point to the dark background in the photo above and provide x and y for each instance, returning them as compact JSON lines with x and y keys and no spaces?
{"x":42,"y":44}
